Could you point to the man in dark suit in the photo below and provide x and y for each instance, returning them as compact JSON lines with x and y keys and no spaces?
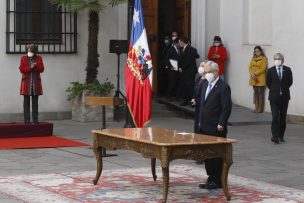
{"x":188,"y":69}
{"x":213,"y":98}
{"x":278,"y":80}
{"x":162,"y":71}
{"x":172,"y":58}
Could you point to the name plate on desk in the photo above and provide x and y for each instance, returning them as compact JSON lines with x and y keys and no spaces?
{"x":103,"y":101}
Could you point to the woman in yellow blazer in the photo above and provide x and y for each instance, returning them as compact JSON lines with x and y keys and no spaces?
{"x":257,"y":70}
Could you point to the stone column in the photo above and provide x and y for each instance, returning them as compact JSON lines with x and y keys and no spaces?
{"x":198,"y":27}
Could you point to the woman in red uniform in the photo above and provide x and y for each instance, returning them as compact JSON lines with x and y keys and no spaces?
{"x":31,"y":66}
{"x":218,"y":54}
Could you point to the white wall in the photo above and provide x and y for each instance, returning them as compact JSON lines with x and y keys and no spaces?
{"x":60,"y":70}
{"x":286,"y":37}
{"x":212,"y":22}
{"x":198,"y":25}
{"x":260,"y":21}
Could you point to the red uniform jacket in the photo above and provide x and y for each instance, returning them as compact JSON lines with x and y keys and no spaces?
{"x":28,"y":86}
{"x":221,"y":51}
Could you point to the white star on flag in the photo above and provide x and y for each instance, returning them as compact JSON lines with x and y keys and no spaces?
{"x":135,"y":17}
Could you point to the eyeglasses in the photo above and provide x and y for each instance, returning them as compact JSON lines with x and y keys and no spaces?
{"x":258,"y":51}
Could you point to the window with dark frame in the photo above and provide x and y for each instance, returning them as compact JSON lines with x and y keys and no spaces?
{"x":37,"y":21}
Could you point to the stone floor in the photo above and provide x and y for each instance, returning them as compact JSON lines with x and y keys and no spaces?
{"x":255,"y":156}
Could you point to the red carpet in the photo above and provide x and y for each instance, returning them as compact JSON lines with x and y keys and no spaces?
{"x":38,"y":142}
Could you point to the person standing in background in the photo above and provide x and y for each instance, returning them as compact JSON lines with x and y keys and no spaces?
{"x":31,"y":66}
{"x":257,"y":70}
{"x":172,"y":59}
{"x":278,"y":80}
{"x":188,"y":69}
{"x":174,"y":36}
{"x":218,"y":54}
{"x":162,"y":71}
{"x":199,"y":76}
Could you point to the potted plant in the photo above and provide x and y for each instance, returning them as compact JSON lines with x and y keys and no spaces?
{"x":77,"y":93}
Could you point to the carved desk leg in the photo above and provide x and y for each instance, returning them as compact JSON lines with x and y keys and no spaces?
{"x":165,"y":170}
{"x":227,"y":162}
{"x":153,"y":163}
{"x":98,"y":154}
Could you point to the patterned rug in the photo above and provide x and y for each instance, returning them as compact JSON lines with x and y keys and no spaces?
{"x":137,"y":185}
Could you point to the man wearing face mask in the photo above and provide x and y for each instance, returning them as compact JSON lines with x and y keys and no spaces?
{"x":278,"y":80}
{"x":213,"y":100}
{"x":200,"y":75}
{"x":172,"y":58}
{"x":162,"y":71}
{"x":218,"y":54}
{"x":31,"y":66}
{"x":168,"y":42}
{"x":174,"y":36}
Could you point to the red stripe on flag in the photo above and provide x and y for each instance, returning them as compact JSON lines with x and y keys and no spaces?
{"x":138,"y":69}
{"x":139,"y":97}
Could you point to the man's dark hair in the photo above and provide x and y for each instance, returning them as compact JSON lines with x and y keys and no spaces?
{"x":184,"y":39}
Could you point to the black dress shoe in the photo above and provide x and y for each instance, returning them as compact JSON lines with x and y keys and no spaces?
{"x":209,"y":185}
{"x":275,"y":140}
{"x":213,"y":185}
{"x":282,"y":139}
{"x":203,"y":185}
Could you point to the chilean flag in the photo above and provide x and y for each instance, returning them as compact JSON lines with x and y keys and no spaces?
{"x":138,"y":71}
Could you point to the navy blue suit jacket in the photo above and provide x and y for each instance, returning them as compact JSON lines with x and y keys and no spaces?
{"x":276,"y":85}
{"x":215,"y":109}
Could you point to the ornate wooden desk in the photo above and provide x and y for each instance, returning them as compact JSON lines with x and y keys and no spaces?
{"x":165,"y":145}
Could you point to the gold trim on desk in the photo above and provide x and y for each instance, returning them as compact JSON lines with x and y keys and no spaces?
{"x":165,"y":145}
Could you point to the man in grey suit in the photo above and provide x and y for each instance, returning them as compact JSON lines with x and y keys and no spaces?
{"x":278,"y":80}
{"x":213,"y":100}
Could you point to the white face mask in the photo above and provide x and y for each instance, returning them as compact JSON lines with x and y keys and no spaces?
{"x":210,"y":77}
{"x":173,"y":38}
{"x":277,"y":62}
{"x":30,"y":54}
{"x":200,"y":70}
{"x":217,"y":44}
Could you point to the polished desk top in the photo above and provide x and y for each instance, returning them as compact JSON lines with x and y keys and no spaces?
{"x":163,"y":136}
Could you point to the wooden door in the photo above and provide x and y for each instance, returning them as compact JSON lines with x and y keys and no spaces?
{"x":183,"y":17}
{"x":150,"y":12}
{"x":182,"y":24}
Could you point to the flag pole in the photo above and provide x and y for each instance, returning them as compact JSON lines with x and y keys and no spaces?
{"x":129,"y":122}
